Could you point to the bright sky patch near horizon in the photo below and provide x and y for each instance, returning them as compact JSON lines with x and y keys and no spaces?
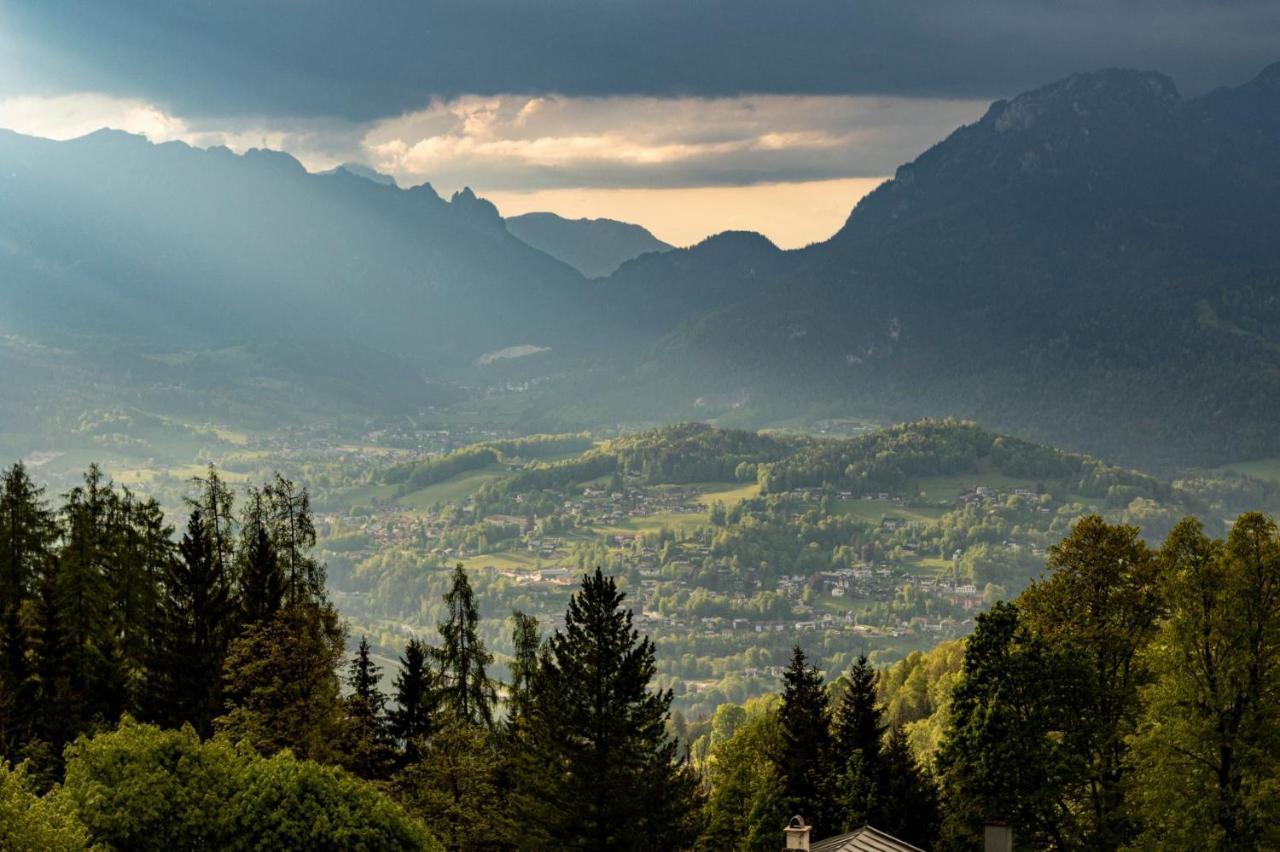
{"x":792,"y":215}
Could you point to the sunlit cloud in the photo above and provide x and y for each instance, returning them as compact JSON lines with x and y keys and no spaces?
{"x":318,"y":144}
{"x":521,"y":143}
{"x":790,"y":167}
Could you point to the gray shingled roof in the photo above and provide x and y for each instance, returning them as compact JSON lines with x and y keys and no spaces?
{"x":865,"y":839}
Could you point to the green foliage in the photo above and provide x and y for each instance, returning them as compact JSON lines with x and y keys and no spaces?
{"x":746,"y":799}
{"x":1002,"y":756}
{"x":465,"y":687}
{"x":281,"y":684}
{"x":1100,"y":604}
{"x":417,"y":700}
{"x":595,"y":769}
{"x":144,"y":788}
{"x":452,"y":788}
{"x":805,"y":760}
{"x":1208,"y":746}
{"x":29,"y":822}
{"x":368,"y":748}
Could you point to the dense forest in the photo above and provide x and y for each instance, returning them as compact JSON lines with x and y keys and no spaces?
{"x":197,"y":690}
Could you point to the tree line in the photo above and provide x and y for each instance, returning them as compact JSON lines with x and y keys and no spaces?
{"x":162,"y":691}
{"x":122,"y":649}
{"x":1128,"y":699}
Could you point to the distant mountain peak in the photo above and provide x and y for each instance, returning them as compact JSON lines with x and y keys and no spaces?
{"x":1082,"y":95}
{"x":738,"y":239}
{"x":362,"y":171}
{"x":479,"y":210}
{"x":275,"y":159}
{"x":595,"y":247}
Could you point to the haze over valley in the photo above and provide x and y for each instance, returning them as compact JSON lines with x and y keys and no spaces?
{"x":640,"y":426}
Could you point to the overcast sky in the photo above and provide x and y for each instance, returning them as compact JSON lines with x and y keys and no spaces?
{"x":689,"y":116}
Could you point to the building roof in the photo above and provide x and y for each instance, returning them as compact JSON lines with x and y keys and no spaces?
{"x":865,"y":839}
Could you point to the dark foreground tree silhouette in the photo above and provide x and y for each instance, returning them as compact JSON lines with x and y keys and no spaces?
{"x":596,"y":769}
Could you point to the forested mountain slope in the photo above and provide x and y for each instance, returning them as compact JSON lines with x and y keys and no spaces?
{"x":1089,"y":261}
{"x":1092,"y":264}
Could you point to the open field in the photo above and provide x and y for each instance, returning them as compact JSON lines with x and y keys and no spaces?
{"x":877,"y":510}
{"x":453,"y":490}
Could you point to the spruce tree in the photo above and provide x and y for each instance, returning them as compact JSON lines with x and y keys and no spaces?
{"x":260,"y":582}
{"x":368,"y":752}
{"x":805,"y":760}
{"x":84,"y":598}
{"x":467,"y":690}
{"x":55,"y":722}
{"x":858,"y":732}
{"x":142,"y":557}
{"x":907,"y":806}
{"x":414,"y":718}
{"x":595,"y":767}
{"x":196,"y":626}
{"x":281,"y":683}
{"x":27,"y":531}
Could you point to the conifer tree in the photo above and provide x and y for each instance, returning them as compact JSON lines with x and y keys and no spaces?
{"x":368,"y":752}
{"x":142,"y":556}
{"x":83,"y":599}
{"x":524,"y":665}
{"x":293,"y":535}
{"x":197,"y":621}
{"x":27,"y":531}
{"x":260,"y":582}
{"x":907,"y":806}
{"x":55,"y":724}
{"x":805,"y":761}
{"x":281,"y":683}
{"x":217,"y":509}
{"x":858,"y":734}
{"x":413,"y":719}
{"x":467,"y":690}
{"x":596,"y":769}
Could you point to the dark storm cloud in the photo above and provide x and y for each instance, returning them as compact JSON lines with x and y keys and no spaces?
{"x":361,"y":61}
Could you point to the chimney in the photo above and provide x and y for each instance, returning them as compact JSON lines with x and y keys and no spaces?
{"x":797,"y":832}
{"x":997,"y":836}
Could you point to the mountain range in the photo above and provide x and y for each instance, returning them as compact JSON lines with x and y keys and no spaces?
{"x":594,"y":247}
{"x":1093,"y":263}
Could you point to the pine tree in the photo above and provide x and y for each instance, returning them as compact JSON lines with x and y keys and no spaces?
{"x":595,"y":767}
{"x":467,"y":690}
{"x":196,"y":626}
{"x":805,"y":760}
{"x":858,"y":733}
{"x":368,"y":752}
{"x":414,"y":718}
{"x":27,"y":531}
{"x":907,"y":806}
